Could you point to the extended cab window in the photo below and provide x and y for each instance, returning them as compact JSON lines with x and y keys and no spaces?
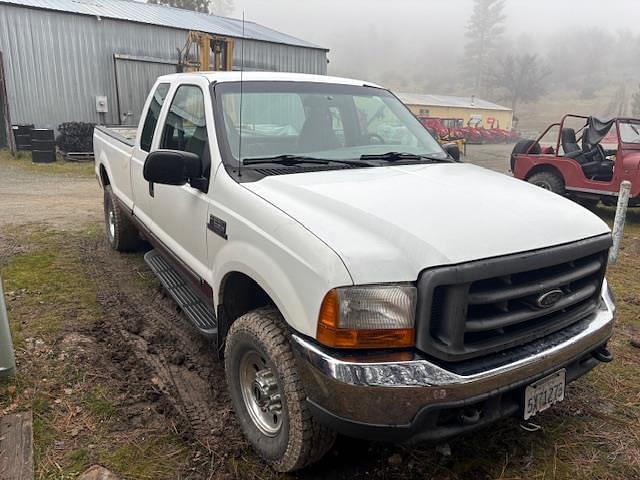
{"x":153,"y":113}
{"x":185,"y":128}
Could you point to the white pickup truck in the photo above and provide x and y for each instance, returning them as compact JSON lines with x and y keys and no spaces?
{"x":354,"y":277}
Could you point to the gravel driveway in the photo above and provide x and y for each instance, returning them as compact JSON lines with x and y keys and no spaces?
{"x":28,"y":195}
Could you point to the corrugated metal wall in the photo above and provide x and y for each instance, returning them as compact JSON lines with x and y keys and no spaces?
{"x":135,"y":77}
{"x":56,"y":63}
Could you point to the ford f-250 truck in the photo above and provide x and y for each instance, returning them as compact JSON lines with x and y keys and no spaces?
{"x":354,"y":277}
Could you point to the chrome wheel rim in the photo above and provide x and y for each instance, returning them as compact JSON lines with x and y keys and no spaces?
{"x":261,"y":393}
{"x":111,"y":222}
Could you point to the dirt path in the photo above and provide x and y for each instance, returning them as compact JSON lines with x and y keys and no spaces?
{"x":145,"y":337}
{"x":60,"y":201}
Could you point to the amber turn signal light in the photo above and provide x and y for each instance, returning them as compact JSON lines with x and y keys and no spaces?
{"x":330,"y":334}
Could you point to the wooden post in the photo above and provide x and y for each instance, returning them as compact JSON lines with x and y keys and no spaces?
{"x":618,"y":223}
{"x":4,"y":104}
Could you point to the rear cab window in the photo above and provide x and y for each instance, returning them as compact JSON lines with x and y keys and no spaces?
{"x":153,"y":113}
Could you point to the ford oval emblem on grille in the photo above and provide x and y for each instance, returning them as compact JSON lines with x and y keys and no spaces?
{"x":549,"y":299}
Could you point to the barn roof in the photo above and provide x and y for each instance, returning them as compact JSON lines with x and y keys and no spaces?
{"x":165,"y":16}
{"x":448,"y":101}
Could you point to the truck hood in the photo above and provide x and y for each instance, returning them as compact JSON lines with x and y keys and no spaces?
{"x":389,"y":223}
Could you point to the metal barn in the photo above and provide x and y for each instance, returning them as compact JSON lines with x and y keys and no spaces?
{"x":482,"y":112}
{"x":61,"y":58}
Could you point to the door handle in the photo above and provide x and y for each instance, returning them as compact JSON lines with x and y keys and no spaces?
{"x":151,"y":190}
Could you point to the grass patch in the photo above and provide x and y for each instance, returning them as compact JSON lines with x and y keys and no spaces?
{"x":97,"y":403}
{"x":23,"y":161}
{"x":77,"y":418}
{"x":46,"y":286}
{"x":146,"y":458}
{"x":77,"y":461}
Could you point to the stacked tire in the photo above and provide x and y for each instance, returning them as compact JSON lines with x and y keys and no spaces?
{"x":22,"y":136}
{"x":75,"y":137}
{"x":43,"y":145}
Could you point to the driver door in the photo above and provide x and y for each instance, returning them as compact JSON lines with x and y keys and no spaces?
{"x":179,"y":213}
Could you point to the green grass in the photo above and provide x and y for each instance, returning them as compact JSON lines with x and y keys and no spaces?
{"x":50,"y":286}
{"x":75,"y":417}
{"x":97,"y":403}
{"x":152,"y":458}
{"x":23,"y":161}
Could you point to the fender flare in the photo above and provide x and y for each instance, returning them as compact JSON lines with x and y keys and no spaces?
{"x":269,"y":276}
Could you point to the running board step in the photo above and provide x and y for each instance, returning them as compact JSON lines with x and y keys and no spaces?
{"x":194,"y":307}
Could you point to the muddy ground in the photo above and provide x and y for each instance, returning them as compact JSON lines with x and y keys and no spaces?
{"x":115,"y":374}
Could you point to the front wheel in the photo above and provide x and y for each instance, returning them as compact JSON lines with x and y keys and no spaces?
{"x":267,"y":393}
{"x":548,"y":181}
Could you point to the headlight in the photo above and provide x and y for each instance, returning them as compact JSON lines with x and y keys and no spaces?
{"x":377,"y":316}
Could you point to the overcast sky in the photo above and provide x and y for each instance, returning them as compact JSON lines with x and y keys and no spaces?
{"x":377,"y":38}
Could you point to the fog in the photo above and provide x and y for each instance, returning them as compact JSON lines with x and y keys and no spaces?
{"x":418,"y":44}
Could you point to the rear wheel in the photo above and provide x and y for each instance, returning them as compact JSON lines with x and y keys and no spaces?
{"x":121,"y":232}
{"x":548,"y":181}
{"x":589,"y":203}
{"x":267,"y":393}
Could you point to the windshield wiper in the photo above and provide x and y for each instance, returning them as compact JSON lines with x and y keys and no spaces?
{"x":290,"y":160}
{"x":399,"y":156}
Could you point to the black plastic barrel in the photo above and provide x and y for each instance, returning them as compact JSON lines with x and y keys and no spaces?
{"x":43,"y":145}
{"x":22,"y":135}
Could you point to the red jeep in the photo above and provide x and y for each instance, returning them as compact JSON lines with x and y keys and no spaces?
{"x":587,"y":161}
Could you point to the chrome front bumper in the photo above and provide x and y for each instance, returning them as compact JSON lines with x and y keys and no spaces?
{"x":380,"y":392}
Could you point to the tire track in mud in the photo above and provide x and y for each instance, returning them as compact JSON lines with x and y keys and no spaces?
{"x":154,"y":349}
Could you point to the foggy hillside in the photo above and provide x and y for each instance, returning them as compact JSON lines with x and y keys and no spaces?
{"x":587,"y":50}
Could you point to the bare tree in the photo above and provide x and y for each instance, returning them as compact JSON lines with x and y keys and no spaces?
{"x":194,"y":5}
{"x":483,"y":33}
{"x":215,"y":7}
{"x":522,"y":76}
{"x":221,"y":7}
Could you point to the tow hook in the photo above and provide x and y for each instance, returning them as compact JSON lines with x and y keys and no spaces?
{"x":469,"y":416}
{"x":603,"y":354}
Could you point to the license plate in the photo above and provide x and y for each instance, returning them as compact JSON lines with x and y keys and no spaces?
{"x":545,"y":392}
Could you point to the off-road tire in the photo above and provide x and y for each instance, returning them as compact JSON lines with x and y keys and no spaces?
{"x":301,"y":440}
{"x":124,"y":236}
{"x":521,"y":147}
{"x":549,"y":181}
{"x":589,"y":203}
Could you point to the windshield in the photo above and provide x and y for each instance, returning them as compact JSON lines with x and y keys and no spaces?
{"x":317,"y":120}
{"x":629,"y":132}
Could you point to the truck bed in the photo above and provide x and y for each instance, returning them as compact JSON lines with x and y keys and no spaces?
{"x":124,"y":133}
{"x":114,"y":147}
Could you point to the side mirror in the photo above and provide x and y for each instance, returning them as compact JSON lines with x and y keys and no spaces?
{"x":172,"y":167}
{"x":452,"y":150}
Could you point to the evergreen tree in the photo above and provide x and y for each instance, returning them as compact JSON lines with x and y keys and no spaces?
{"x":484,"y":32}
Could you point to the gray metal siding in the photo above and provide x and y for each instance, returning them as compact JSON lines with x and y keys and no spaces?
{"x":164,"y":16}
{"x":56,"y":63}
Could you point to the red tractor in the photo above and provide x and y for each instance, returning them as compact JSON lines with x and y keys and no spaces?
{"x":580,"y":163}
{"x":434,"y":126}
